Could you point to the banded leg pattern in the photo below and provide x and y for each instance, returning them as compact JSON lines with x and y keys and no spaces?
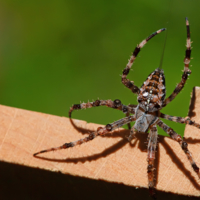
{"x":100,"y":131}
{"x":132,"y":133}
{"x":152,"y":138}
{"x":130,"y":84}
{"x":182,"y":143}
{"x":186,"y":72}
{"x":116,"y":104}
{"x":179,"y":120}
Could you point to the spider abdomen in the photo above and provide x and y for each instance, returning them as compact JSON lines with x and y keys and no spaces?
{"x":152,"y":93}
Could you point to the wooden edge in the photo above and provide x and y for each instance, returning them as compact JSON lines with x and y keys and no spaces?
{"x":110,"y":159}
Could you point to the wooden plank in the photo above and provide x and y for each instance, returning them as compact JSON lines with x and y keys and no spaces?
{"x":110,"y":158}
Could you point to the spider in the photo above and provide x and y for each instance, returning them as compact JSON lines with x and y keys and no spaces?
{"x":151,"y":99}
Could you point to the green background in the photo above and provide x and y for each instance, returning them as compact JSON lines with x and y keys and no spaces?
{"x":57,"y":53}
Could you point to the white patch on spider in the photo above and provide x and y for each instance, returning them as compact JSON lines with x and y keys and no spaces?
{"x":188,"y":43}
{"x":142,"y":43}
{"x":145,"y":94}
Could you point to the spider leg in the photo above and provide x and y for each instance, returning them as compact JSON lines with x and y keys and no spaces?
{"x":186,"y":72}
{"x":132,"y":133}
{"x":116,"y":104}
{"x":152,"y":142}
{"x":130,"y":84}
{"x":182,"y":143}
{"x":179,"y":120}
{"x":128,"y":113}
{"x":100,"y":131}
{"x":129,"y":124}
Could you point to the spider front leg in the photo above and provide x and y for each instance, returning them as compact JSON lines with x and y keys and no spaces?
{"x":179,"y":120}
{"x":152,"y":137}
{"x":100,"y":131}
{"x":116,"y":104}
{"x":130,"y":84}
{"x":186,"y":72}
{"x":182,"y":143}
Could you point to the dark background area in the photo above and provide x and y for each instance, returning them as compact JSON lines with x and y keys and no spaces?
{"x":57,"y":53}
{"x":26,"y":183}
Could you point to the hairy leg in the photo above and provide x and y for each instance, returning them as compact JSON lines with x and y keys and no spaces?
{"x":182,"y":143}
{"x":152,"y":143}
{"x":186,"y":72}
{"x":130,"y":84}
{"x":116,"y":104}
{"x":131,"y":106}
{"x":99,"y":131}
{"x":179,"y":120}
{"x":132,"y":133}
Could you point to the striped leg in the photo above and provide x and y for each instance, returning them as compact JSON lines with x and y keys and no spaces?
{"x":129,"y":124}
{"x":132,"y":134}
{"x":131,"y":106}
{"x":152,"y":137}
{"x":130,"y":84}
{"x":186,"y":72}
{"x":100,"y":131}
{"x":182,"y":143}
{"x":179,"y":120}
{"x":116,"y":104}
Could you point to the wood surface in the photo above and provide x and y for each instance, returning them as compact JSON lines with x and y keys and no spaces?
{"x":107,"y":165}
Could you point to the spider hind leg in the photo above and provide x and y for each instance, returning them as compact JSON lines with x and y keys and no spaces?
{"x":100,"y":131}
{"x":181,"y":142}
{"x":180,"y":120}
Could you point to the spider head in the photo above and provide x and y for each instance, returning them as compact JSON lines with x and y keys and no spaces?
{"x":152,"y":93}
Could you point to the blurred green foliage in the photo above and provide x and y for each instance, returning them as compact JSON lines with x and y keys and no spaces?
{"x":57,"y":53}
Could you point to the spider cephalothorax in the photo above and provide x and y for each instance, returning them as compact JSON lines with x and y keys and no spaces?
{"x":151,"y":99}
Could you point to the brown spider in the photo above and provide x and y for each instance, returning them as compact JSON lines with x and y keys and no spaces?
{"x":151,"y":99}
